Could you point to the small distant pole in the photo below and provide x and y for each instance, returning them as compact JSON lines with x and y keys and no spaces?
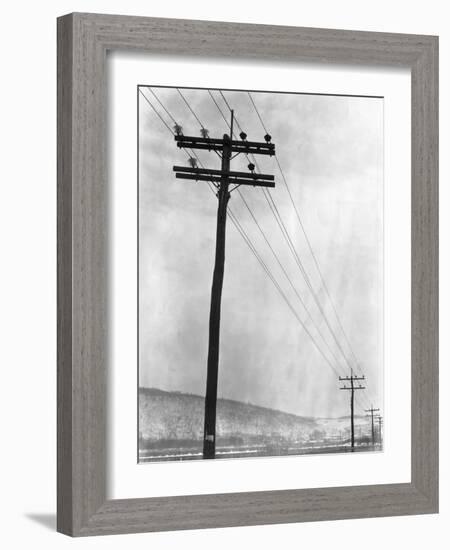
{"x":352,"y":388}
{"x":380,"y":423}
{"x":371,"y":411}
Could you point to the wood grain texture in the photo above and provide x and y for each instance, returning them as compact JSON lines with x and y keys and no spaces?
{"x":64,"y":267}
{"x":83,"y":40}
{"x":425,"y":273}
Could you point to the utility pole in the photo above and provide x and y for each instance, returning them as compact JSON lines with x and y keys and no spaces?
{"x":227,"y":148}
{"x":380,"y":423}
{"x":352,"y":388}
{"x":371,"y":411}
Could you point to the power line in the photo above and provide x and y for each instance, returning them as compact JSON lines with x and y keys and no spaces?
{"x":203,"y":129}
{"x":276,"y":284}
{"x":268,"y":272}
{"x":156,"y":111}
{"x":287,"y":276}
{"x":319,"y":271}
{"x":316,"y":263}
{"x":325,"y":287}
{"x":219,"y":109}
{"x":237,"y":123}
{"x":230,"y":109}
{"x":162,"y":105}
{"x":167,"y":126}
{"x":273,"y":207}
{"x":190,"y":109}
{"x":257,"y":112}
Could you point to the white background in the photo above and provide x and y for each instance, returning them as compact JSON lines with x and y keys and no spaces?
{"x":28,"y":299}
{"x":130,"y":480}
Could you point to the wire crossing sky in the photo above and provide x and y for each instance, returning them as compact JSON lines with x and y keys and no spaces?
{"x":301,"y":292}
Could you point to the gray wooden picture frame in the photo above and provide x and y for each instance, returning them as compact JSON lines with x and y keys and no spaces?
{"x":83,"y":41}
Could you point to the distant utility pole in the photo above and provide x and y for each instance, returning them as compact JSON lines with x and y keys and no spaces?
{"x":227,"y":148}
{"x":380,"y":423}
{"x":371,"y":411}
{"x":352,"y":388}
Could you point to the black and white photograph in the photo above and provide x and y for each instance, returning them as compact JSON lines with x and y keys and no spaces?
{"x":260,"y":273}
{"x":223,"y":272}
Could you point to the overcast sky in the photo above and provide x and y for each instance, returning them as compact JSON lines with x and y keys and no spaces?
{"x":330,"y":150}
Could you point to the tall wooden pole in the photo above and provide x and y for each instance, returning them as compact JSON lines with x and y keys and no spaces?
{"x":223,"y":195}
{"x":225,"y":181}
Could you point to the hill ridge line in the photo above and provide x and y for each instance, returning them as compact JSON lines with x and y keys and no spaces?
{"x":158,"y":391}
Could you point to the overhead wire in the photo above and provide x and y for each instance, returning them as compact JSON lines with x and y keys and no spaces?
{"x":308,"y":242}
{"x":150,"y":89}
{"x":310,"y":248}
{"x":273,"y":279}
{"x":308,"y":313}
{"x":191,"y":109}
{"x":271,"y":202}
{"x":193,"y":153}
{"x":156,"y":111}
{"x":219,"y":109}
